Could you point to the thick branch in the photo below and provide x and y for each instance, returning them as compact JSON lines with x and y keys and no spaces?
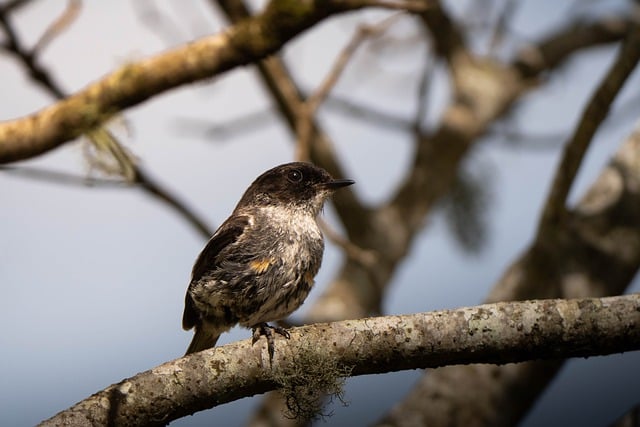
{"x":249,"y":40}
{"x":596,"y":252}
{"x":494,"y":333}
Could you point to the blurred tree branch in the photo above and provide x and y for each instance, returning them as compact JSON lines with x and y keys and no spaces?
{"x":484,"y":91}
{"x":571,"y":257}
{"x":594,"y":114}
{"x":309,"y":108}
{"x":103,"y":141}
{"x":594,"y":251}
{"x":496,"y":333}
{"x":253,"y":39}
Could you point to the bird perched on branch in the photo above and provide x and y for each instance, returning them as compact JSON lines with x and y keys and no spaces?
{"x":259,"y":266}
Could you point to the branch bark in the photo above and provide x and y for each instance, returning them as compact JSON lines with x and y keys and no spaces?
{"x":484,"y":91}
{"x":248,"y":41}
{"x":595,"y":252}
{"x":494,"y":333}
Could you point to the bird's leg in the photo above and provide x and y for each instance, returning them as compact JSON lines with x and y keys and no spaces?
{"x":268,"y":330}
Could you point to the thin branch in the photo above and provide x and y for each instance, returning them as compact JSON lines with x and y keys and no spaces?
{"x":548,"y":54}
{"x":103,"y":141}
{"x":255,"y":120}
{"x":246,"y":123}
{"x":497,"y":333}
{"x":595,"y":112}
{"x":64,"y":178}
{"x":159,"y":23}
{"x":414,"y":6}
{"x":154,"y":188}
{"x":365,"y":257}
{"x":308,"y":109}
{"x":28,"y":60}
{"x":513,"y":137}
{"x":424,"y":91}
{"x":368,"y":114}
{"x":13,"y":5}
{"x":500,"y":28}
{"x":448,"y":39}
{"x":64,"y":21}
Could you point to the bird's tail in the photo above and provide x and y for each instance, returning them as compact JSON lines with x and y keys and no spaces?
{"x":204,"y":338}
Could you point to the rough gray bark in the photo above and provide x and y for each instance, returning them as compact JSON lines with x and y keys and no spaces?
{"x":494,"y":333}
{"x":594,"y":252}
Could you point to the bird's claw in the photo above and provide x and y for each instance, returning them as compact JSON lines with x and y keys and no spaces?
{"x":268,"y":330}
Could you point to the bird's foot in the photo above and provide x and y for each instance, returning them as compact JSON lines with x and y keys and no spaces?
{"x":268,"y":330}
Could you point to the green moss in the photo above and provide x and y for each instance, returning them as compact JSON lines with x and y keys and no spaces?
{"x":309,"y":383}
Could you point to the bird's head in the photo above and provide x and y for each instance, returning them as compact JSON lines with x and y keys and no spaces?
{"x":297,"y":184}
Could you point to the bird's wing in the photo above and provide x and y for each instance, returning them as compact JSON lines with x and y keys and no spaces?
{"x":228,"y":233}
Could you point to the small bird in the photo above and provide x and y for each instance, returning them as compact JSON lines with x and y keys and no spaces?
{"x":259,"y":266}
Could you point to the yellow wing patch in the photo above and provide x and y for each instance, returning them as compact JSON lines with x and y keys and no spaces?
{"x":260,"y":265}
{"x":309,"y":278}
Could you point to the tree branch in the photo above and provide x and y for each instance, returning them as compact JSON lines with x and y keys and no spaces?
{"x":594,"y":114}
{"x":494,"y":333}
{"x":249,"y":40}
{"x":290,"y":100}
{"x":309,"y":108}
{"x":596,"y":252}
{"x":535,"y":59}
{"x":101,"y":138}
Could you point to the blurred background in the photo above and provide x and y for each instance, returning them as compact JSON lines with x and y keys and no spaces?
{"x":93,"y":273}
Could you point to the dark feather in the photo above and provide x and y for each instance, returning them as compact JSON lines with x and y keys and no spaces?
{"x":202,"y":340}
{"x":207,"y":261}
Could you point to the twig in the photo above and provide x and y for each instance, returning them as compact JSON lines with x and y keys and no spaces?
{"x":365,"y":257}
{"x":594,"y":114}
{"x":243,"y":124}
{"x":447,"y":38}
{"x":58,"y":177}
{"x":370,"y":115}
{"x":63,"y":22}
{"x":512,"y":136}
{"x":500,"y":28}
{"x":548,"y":54}
{"x":424,"y":90}
{"x":13,"y":46}
{"x":12,"y":5}
{"x":157,"y":22}
{"x":413,"y":6}
{"x":304,"y":128}
{"x":102,"y":139}
{"x":153,"y":187}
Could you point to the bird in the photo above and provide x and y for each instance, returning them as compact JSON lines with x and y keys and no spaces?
{"x":259,"y":265}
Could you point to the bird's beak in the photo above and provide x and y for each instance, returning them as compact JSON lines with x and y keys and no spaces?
{"x":334,"y":184}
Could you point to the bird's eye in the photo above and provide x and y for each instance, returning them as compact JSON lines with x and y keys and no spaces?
{"x":294,"y":176}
